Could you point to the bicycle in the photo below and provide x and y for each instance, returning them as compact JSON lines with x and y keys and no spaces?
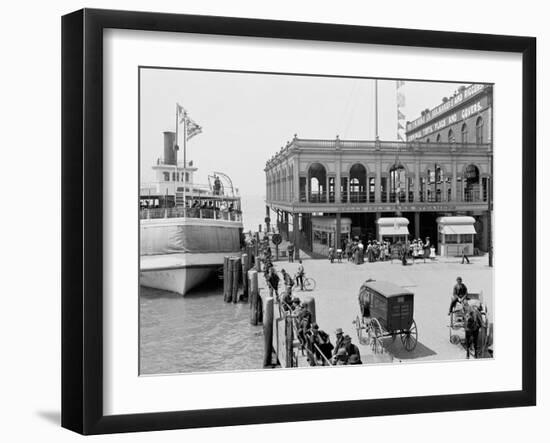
{"x":309,"y":283}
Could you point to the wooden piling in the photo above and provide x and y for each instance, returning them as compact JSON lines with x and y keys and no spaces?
{"x":226,"y":278}
{"x":244,"y":263}
{"x":255,"y":301}
{"x":268,"y":332}
{"x":236,"y":271}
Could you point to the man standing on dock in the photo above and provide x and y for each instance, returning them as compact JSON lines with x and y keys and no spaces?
{"x":273,"y":282}
{"x":300,"y":275}
{"x":290,"y":251}
{"x":289,"y":283}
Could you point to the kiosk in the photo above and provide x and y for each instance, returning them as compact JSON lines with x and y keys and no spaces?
{"x":393,"y":229}
{"x":455,"y":235}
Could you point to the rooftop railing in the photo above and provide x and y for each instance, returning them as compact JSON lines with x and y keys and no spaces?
{"x":374,"y":145}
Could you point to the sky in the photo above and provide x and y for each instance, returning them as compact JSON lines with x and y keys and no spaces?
{"x":247,"y":117}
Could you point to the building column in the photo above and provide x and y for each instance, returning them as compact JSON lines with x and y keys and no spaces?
{"x":337,"y":182}
{"x":296,"y":179}
{"x":307,"y":188}
{"x":296,"y":235}
{"x":453,"y":184}
{"x":417,"y":224}
{"x":327,"y":187}
{"x":267,"y":223}
{"x":337,"y":239}
{"x":416,"y":180}
{"x":377,"y":181}
{"x":480,"y":187}
{"x":377,"y":215}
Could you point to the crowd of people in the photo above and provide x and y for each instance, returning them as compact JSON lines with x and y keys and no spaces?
{"x":356,"y":251}
{"x":316,"y":342}
{"x":313,"y":340}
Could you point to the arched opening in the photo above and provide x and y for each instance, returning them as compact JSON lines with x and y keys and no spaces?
{"x":438,"y":138}
{"x":472,"y":184}
{"x":451,"y":136}
{"x":398,"y":183}
{"x":358,"y":183}
{"x":479,"y":130}
{"x":464,"y":133}
{"x":317,"y":177}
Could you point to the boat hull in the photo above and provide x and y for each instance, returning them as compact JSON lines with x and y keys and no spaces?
{"x":180,"y":281}
{"x":180,"y":273}
{"x":178,"y":254}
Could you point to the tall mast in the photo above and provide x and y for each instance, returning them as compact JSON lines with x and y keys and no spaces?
{"x":376,"y":108}
{"x":176,"y":149}
{"x":184,"y":163}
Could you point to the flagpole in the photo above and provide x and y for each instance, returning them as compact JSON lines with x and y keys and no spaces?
{"x":185,"y":163}
{"x":376,"y":108}
{"x":176,"y":153}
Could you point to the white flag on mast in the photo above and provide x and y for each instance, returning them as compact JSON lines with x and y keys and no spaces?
{"x":192,"y":127}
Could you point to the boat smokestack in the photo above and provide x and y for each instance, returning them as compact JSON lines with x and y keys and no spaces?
{"x":170,"y":152}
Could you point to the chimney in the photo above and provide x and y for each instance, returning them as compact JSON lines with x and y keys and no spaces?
{"x":170,"y":153}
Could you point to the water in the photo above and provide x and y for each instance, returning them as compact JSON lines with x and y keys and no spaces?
{"x":196,"y":333}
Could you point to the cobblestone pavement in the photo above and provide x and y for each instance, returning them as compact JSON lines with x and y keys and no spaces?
{"x":432,"y":282}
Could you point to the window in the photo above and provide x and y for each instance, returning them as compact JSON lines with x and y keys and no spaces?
{"x":451,"y":238}
{"x":451,"y":136}
{"x":464,"y":133}
{"x":427,"y":140}
{"x":173,"y":176}
{"x":479,"y":130}
{"x":438,"y":138}
{"x":166,"y":176}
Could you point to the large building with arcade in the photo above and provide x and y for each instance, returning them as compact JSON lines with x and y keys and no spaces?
{"x":322,"y":192}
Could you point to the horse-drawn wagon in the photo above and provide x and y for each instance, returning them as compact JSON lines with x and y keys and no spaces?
{"x":386,"y":311}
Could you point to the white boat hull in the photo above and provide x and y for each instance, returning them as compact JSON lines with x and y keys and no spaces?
{"x":179,"y":273}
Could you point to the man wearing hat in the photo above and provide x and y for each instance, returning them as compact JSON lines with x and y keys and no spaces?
{"x":322,"y":340}
{"x":339,"y":340}
{"x":351,"y":349}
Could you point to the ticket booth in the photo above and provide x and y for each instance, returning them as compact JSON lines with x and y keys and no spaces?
{"x":455,"y":234}
{"x":324,"y":233}
{"x":393,"y":229}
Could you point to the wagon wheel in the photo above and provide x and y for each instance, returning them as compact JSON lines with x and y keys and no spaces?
{"x":375,"y":334}
{"x":409,"y":338}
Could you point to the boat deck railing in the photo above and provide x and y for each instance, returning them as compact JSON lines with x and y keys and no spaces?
{"x":180,"y":212}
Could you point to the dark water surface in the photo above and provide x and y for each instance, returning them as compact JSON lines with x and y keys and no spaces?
{"x":196,"y":333}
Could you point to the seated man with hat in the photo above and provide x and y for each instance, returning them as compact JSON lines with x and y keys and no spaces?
{"x":351,"y":349}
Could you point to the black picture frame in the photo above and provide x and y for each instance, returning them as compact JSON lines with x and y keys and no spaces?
{"x":82,"y":218}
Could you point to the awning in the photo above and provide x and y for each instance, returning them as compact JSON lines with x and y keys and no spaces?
{"x":394,"y":230}
{"x":457,"y":229}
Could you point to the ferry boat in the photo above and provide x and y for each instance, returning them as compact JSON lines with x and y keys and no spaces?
{"x":186,"y":229}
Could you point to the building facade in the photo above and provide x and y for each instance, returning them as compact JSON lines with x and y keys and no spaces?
{"x":443,"y":169}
